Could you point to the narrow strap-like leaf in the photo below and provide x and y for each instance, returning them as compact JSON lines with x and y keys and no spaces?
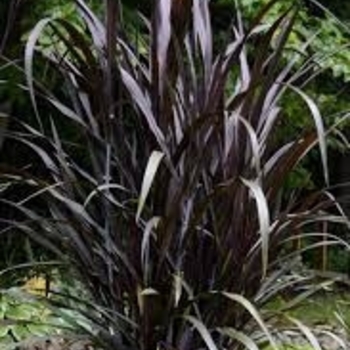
{"x":264,"y":219}
{"x":148,"y":178}
{"x":203,"y":331}
{"x":254,"y":313}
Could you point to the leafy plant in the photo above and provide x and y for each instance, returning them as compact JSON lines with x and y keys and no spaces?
{"x":22,"y":317}
{"x":28,"y":319}
{"x":167,"y":199}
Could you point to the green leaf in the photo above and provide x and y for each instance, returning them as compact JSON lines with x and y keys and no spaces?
{"x":39,"y":329}
{"x":20,"y":331}
{"x":4,"y":330}
{"x":21,"y":312}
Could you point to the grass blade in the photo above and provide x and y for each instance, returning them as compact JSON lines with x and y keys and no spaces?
{"x":264,"y":219}
{"x":148,"y":178}
{"x":203,"y":331}
{"x":255,"y":314}
{"x":28,"y":62}
{"x":241,"y":337}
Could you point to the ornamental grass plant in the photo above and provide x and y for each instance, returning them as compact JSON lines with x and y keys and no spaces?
{"x":158,"y":174}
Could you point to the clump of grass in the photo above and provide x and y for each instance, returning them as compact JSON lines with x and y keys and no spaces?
{"x":167,"y":197}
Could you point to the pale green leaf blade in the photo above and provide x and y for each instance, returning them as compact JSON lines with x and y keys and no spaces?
{"x":148,"y":178}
